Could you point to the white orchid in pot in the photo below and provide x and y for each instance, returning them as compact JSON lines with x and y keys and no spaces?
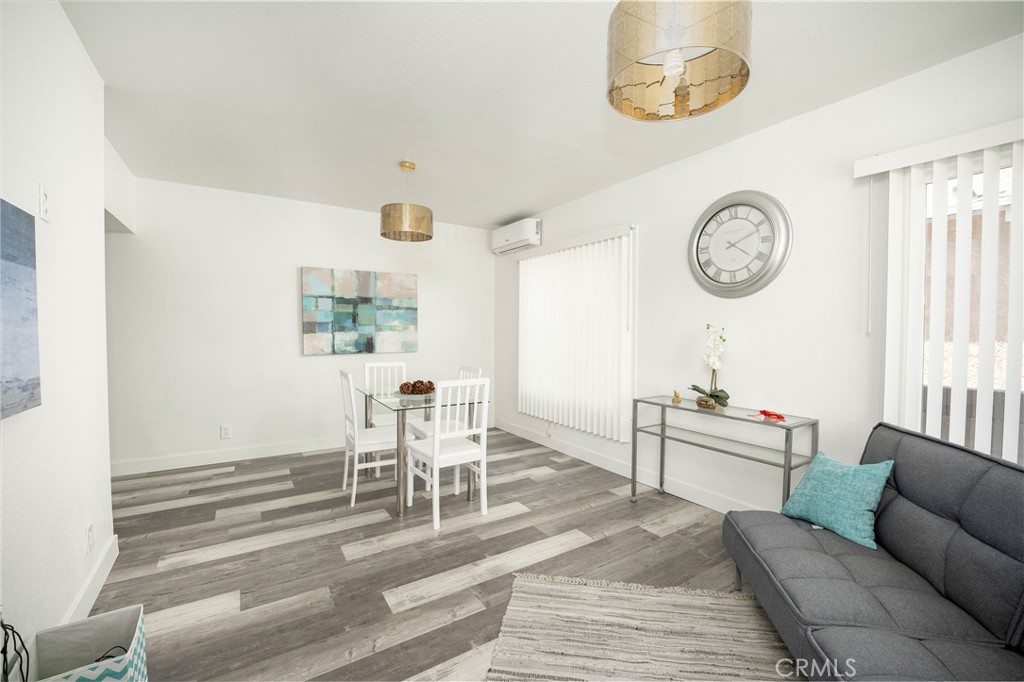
{"x":713,"y":359}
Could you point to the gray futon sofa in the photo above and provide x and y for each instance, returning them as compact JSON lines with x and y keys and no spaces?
{"x":941,"y":598}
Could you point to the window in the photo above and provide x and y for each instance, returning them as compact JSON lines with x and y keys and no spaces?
{"x":962,"y":355}
{"x":576,"y":336}
{"x":955,"y":296}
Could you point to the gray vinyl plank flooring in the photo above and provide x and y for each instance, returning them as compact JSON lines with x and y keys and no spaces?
{"x":159,"y":494}
{"x":426,"y":532}
{"x":441,"y":585}
{"x":260,"y":570}
{"x":192,"y":500}
{"x":155,"y":480}
{"x":471,"y":665}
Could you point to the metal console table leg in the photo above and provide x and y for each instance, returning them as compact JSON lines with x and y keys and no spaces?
{"x":661,"y":457}
{"x":787,"y":466}
{"x":632,"y":493}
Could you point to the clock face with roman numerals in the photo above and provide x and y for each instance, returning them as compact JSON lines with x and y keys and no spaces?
{"x":740,"y":243}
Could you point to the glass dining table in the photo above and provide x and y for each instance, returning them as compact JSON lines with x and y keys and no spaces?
{"x":402,"y":405}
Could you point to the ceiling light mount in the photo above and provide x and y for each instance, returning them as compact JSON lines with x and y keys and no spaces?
{"x":406,"y":222}
{"x":673,"y":60}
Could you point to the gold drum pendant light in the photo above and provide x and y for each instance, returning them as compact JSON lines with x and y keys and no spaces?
{"x":674,"y":60}
{"x":406,"y":222}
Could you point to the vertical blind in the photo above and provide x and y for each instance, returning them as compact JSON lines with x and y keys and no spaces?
{"x":576,"y":336}
{"x":955,"y":315}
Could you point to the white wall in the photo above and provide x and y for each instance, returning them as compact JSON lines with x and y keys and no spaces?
{"x":204,"y":321}
{"x":119,"y":194}
{"x":54,"y":459}
{"x":802,"y":344}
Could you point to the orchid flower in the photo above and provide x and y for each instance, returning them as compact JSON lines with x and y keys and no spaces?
{"x":716,"y":344}
{"x":713,"y":358}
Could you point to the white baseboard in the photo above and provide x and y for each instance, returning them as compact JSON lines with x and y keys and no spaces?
{"x":579,"y":452}
{"x":90,"y":590}
{"x":180,"y":460}
{"x":648,"y":477}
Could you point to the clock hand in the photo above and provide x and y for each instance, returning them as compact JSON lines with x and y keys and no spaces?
{"x":746,"y":236}
{"x":733,"y":245}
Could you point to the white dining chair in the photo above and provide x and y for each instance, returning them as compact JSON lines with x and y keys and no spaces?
{"x":361,"y":441}
{"x":424,"y":428}
{"x":459,"y":437}
{"x":382,"y":377}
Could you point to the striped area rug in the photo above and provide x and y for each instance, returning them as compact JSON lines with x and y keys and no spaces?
{"x":574,"y":629}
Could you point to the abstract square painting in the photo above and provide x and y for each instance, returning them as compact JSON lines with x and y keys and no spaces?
{"x":20,"y":368}
{"x":396,"y":313}
{"x":358,"y":311}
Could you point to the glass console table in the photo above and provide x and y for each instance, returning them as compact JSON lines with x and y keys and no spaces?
{"x":784,"y":459}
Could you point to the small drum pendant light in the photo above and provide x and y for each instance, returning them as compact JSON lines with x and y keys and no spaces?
{"x":406,"y":222}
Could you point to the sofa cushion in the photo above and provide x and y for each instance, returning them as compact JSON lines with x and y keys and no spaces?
{"x":994,"y":511}
{"x":986,"y":580}
{"x":797,"y":562}
{"x":768,"y":530}
{"x":869,"y":654}
{"x":840,"y":497}
{"x":936,"y":476}
{"x":920,"y":614}
{"x":827,"y":601}
{"x":917,"y":538}
{"x":875,"y":655}
{"x":881,"y":571}
{"x":967,"y":661}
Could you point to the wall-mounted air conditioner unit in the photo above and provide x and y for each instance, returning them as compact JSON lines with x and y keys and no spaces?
{"x":524,"y":234}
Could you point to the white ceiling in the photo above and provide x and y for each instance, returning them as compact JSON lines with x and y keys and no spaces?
{"x":500,"y":104}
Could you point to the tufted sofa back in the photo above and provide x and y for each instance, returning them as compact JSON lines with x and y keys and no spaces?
{"x":957,"y":518}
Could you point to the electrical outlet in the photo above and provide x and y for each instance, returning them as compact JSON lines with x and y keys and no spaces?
{"x":88,"y":540}
{"x":45,"y":202}
{"x":226,"y":432}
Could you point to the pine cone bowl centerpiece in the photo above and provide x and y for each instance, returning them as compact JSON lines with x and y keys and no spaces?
{"x":418,"y":387}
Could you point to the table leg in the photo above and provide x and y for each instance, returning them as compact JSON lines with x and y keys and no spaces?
{"x":787,"y":466}
{"x":401,"y":462}
{"x":661,"y":466}
{"x":368,"y":423}
{"x":470,"y":474}
{"x":814,"y":439}
{"x":632,"y":491}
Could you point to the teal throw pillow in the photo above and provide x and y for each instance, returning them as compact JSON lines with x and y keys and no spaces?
{"x":840,"y":497}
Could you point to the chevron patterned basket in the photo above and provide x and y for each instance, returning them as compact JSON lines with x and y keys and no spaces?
{"x":69,"y":652}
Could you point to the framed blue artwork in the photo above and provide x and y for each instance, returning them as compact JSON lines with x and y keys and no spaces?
{"x":357,"y":311}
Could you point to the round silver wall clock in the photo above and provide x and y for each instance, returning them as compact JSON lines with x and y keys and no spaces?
{"x":740,"y":243}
